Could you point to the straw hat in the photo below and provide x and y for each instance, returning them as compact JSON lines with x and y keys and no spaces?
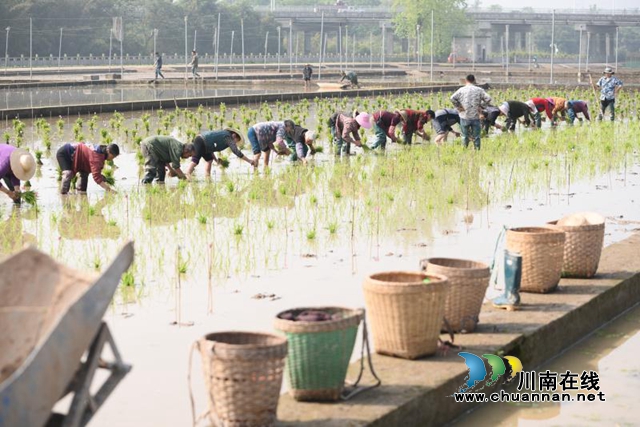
{"x":237,"y":132}
{"x":504,"y":108}
{"x":403,"y":115}
{"x":608,"y":70}
{"x":310,"y":135}
{"x":22,"y":163}
{"x":364,"y":120}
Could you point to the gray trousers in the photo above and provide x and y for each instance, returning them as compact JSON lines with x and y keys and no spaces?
{"x":67,"y":177}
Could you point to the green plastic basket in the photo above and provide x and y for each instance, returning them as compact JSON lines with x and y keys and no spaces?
{"x":319,"y":352}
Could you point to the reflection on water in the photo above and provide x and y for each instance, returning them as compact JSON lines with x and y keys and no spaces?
{"x":612,"y":353}
{"x":68,"y":95}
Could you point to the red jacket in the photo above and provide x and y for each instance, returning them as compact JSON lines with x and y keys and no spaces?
{"x":415,"y":120}
{"x":87,"y":160}
{"x":543,"y":105}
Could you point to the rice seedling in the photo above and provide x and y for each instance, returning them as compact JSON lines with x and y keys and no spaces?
{"x":29,"y":197}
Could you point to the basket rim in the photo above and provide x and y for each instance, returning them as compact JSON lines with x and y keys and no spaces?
{"x":575,"y":228}
{"x":278,"y":340}
{"x":353,"y":317}
{"x":440,"y":278}
{"x":479,"y":266}
{"x":524,"y":231}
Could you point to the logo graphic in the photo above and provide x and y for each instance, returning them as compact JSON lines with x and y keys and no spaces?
{"x":507,"y":367}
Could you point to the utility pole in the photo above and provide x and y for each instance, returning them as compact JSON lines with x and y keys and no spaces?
{"x":553,"y":46}
{"x":59,"y":49}
{"x":30,"y":48}
{"x":6,"y":50}
{"x":431,"y":67}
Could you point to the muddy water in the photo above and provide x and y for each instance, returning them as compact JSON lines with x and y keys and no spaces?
{"x":612,"y":353}
{"x":285,"y":248}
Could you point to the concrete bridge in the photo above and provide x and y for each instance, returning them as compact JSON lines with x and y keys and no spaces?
{"x":491,"y":30}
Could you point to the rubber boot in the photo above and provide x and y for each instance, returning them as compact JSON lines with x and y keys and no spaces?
{"x":510,"y":300}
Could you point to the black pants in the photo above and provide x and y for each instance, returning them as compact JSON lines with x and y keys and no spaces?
{"x":608,"y":103}
{"x":64,"y":158}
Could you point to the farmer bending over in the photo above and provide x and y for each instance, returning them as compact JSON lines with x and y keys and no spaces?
{"x":558,"y":111}
{"x":442,"y":122}
{"x":84,"y":159}
{"x":16,"y":164}
{"x":413,"y":121}
{"x":384,"y":125}
{"x":267,"y":136}
{"x":208,"y":143}
{"x":513,"y":110}
{"x":300,"y":142}
{"x":161,"y":153}
{"x":488,"y":117}
{"x":538,"y":105}
{"x":574,"y":107}
{"x":352,"y":77}
{"x":346,"y":131}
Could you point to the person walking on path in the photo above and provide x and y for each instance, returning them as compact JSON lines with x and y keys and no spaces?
{"x":351,"y":77}
{"x":574,"y":107}
{"x":609,"y":87}
{"x":267,"y":136}
{"x":558,"y":111}
{"x":210,"y":142}
{"x":300,"y":142}
{"x":488,"y":117}
{"x":442,"y":123}
{"x":16,"y":164}
{"x":158,"y":66}
{"x":194,"y":64}
{"x":85,"y":159}
{"x":384,"y":125}
{"x":347,"y":128}
{"x":413,"y":121}
{"x":469,"y":100}
{"x":538,"y":105}
{"x":307,"y":72}
{"x":513,"y":110}
{"x":161,"y":152}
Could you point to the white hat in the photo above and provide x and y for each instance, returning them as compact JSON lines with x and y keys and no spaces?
{"x":310,"y":135}
{"x":504,"y":108}
{"x":22,"y":163}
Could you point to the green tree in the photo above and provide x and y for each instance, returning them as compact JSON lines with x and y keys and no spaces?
{"x":450,"y":20}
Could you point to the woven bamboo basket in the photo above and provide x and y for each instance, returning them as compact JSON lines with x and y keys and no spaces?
{"x":582,"y":246}
{"x":404,"y":312}
{"x":243,"y":373}
{"x":319,"y":353}
{"x":542,"y":250}
{"x":468,"y":282}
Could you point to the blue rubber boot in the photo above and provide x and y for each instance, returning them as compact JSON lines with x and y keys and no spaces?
{"x":510,"y":300}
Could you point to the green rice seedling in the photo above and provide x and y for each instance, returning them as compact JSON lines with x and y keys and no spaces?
{"x":39,"y":157}
{"x":311,"y":234}
{"x":108,"y":176}
{"x":224,"y":162}
{"x":29,"y":197}
{"x":91,"y":211}
{"x":97,"y":263}
{"x":238,"y":229}
{"x":270,"y":224}
{"x":230,"y":187}
{"x":202,"y":218}
{"x":337,"y":194}
{"x":112,"y":223}
{"x":7,"y":137}
{"x":333,"y":227}
{"x":128,"y":279}
{"x":60,"y":125}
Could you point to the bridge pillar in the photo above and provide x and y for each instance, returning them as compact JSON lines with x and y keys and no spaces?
{"x":307,"y":42}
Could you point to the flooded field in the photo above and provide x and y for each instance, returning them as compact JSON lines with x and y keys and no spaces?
{"x":611,"y":352}
{"x":231,"y":251}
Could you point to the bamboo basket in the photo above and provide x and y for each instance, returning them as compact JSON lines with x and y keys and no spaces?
{"x":582,"y":246}
{"x":243,"y":375}
{"x":468,"y":282}
{"x":319,"y":353}
{"x":542,"y":250}
{"x":405,"y":313}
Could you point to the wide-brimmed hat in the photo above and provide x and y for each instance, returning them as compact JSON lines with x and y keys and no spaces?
{"x":504,"y":108}
{"x":22,"y":163}
{"x":403,"y":115}
{"x":364,"y":120}
{"x":237,"y":132}
{"x":608,"y":70}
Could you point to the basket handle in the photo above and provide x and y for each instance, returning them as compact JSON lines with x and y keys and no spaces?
{"x":365,"y":344}
{"x":194,"y":420}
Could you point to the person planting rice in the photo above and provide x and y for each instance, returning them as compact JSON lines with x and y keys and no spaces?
{"x":574,"y":107}
{"x":267,"y":136}
{"x":558,"y":111}
{"x":469,"y":101}
{"x":413,"y":121}
{"x":384,"y":125}
{"x":538,"y":105}
{"x":442,"y":122}
{"x":347,"y":131}
{"x":161,"y":153}
{"x":488,"y":117}
{"x":351,"y":77}
{"x":84,"y":159}
{"x":300,"y":143}
{"x":208,"y":143}
{"x":16,"y":164}
{"x":514,"y":110}
{"x":609,"y":87}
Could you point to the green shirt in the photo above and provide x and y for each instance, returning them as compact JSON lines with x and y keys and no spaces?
{"x":165,"y":149}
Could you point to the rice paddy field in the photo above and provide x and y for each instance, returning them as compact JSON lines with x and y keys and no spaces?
{"x":231,"y":251}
